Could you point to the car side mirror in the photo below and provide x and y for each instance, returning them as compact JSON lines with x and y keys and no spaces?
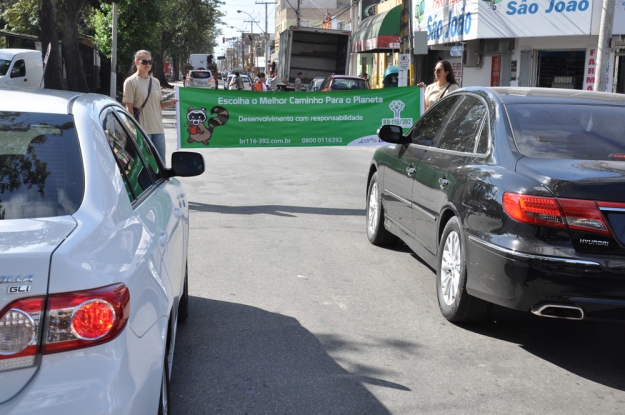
{"x":186,"y":164}
{"x":316,"y":89}
{"x":392,"y":134}
{"x":423,"y":141}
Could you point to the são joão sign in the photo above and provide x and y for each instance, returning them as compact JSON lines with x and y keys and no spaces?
{"x":217,"y":119}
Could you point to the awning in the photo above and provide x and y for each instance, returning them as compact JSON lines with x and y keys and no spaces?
{"x":379,"y":33}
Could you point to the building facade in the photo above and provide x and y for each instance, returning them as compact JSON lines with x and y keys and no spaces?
{"x":545,"y":43}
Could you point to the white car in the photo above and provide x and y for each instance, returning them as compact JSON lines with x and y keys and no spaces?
{"x":201,"y":79}
{"x":247,"y":83}
{"x":93,"y":247}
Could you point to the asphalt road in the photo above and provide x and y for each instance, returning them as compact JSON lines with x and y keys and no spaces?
{"x":293,"y":311}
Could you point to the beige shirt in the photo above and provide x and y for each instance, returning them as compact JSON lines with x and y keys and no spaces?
{"x":433,"y":92}
{"x":135,"y":91}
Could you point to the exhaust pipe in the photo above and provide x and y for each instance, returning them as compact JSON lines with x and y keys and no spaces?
{"x":567,"y":312}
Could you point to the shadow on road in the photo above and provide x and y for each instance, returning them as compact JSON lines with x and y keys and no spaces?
{"x":236,"y":359}
{"x":591,"y":349}
{"x":276,"y":210}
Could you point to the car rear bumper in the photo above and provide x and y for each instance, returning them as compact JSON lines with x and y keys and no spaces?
{"x":122,"y":376}
{"x":528,"y":282}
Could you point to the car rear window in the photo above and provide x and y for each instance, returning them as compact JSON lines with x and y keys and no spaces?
{"x":569,"y":131}
{"x":339,"y":84}
{"x":201,"y":75}
{"x":41,"y":170}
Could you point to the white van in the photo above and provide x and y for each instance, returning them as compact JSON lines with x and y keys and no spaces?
{"x":20,"y":68}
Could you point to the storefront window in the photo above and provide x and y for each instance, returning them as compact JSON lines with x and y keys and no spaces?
{"x":561,"y":69}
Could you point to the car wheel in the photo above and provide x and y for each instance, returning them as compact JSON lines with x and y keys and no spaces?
{"x":183,"y":305}
{"x":451,"y":278}
{"x":376,"y":232}
{"x":164,"y":401}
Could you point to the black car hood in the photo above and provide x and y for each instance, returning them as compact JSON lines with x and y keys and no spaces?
{"x":577,"y":179}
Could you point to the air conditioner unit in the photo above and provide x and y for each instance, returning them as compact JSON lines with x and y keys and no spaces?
{"x":471,"y":56}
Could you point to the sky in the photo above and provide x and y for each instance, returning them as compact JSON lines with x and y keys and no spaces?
{"x":237,"y":20}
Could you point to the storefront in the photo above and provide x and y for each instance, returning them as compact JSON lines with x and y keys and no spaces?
{"x":376,"y":43}
{"x":546,"y":43}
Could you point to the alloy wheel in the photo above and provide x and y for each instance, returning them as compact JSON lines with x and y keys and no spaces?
{"x":374,"y":209}
{"x":450,"y":268}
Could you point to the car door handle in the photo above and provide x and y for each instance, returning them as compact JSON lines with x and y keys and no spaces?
{"x":410,"y":171}
{"x":443,"y":182}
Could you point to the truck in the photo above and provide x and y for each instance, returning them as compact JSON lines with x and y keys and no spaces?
{"x":201,"y":61}
{"x":312,"y":51}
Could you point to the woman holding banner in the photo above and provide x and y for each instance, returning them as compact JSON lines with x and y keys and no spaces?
{"x":444,"y":83}
{"x":143,"y":99}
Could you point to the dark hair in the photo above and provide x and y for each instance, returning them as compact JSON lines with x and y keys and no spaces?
{"x":450,"y":72}
{"x":237,"y":73}
{"x":299,"y":73}
{"x":261,"y":75}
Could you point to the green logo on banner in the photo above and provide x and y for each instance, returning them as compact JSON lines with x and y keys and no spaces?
{"x":217,"y":119}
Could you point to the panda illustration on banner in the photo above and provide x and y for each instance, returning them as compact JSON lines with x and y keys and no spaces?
{"x":200,"y":127}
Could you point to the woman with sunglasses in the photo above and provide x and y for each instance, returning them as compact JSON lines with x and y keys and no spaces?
{"x":443,"y":84}
{"x":143,"y":99}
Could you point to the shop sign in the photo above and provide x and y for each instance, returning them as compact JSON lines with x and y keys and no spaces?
{"x":589,"y":67}
{"x":590,"y":70}
{"x":449,"y":21}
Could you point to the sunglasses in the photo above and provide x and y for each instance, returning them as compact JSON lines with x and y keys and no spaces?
{"x":145,"y":62}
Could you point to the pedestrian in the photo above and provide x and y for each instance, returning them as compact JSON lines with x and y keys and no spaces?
{"x":366,"y":78}
{"x":237,"y":81}
{"x":298,"y":82}
{"x":143,"y":99}
{"x":444,"y":83}
{"x":260,"y":85}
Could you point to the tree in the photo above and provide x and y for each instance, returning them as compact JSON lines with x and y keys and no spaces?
{"x":49,"y":36}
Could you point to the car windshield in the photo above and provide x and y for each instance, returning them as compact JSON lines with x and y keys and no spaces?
{"x":4,"y":66}
{"x":41,"y":172}
{"x":339,"y":84}
{"x":201,"y":75}
{"x":245,"y":78}
{"x":569,"y":131}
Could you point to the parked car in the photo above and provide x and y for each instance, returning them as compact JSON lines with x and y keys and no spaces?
{"x":515,"y":196}
{"x":247,"y":83}
{"x":202,"y":78}
{"x":315,"y":84}
{"x":21,"y":68}
{"x":93,"y":247}
{"x":343,"y":83}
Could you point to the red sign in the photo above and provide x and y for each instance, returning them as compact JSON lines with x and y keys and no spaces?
{"x":495,"y":71}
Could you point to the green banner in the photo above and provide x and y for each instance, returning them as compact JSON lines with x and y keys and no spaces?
{"x":216,"y":119}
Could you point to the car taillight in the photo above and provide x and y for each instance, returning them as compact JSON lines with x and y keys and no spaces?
{"x":575,"y":214}
{"x":73,"y":320}
{"x":86,"y":318}
{"x":19,"y":329}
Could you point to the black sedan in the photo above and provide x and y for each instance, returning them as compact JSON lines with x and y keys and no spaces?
{"x":515,"y":196}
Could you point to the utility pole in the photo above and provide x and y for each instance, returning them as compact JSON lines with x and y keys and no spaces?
{"x":298,"y":13}
{"x":266,"y":35}
{"x":603,"y":52}
{"x":113,"y":88}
